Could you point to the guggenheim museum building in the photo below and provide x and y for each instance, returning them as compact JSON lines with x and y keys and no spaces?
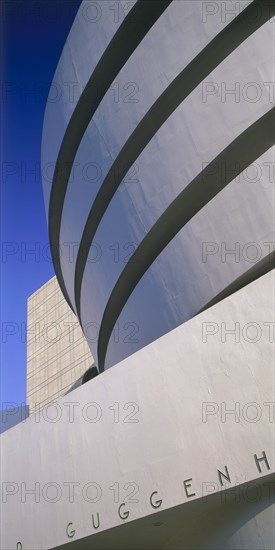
{"x":158,"y":173}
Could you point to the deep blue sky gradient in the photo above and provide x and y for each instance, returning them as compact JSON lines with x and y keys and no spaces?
{"x":33,"y":34}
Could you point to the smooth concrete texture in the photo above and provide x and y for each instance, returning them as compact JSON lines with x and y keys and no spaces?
{"x":206,"y":523}
{"x":57,"y":350}
{"x":158,"y":425}
{"x":155,"y":166}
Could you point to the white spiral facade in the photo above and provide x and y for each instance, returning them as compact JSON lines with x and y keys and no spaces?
{"x":231,"y":104}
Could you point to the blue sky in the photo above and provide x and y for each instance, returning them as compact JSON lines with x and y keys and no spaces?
{"x":34,"y":33}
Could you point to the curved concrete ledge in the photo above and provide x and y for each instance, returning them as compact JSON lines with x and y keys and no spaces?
{"x":130,"y":33}
{"x":246,"y":148}
{"x":171,"y":111}
{"x":184,"y":418}
{"x":204,"y":63}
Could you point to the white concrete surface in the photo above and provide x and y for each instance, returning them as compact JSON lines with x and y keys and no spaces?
{"x":159,"y":422}
{"x":179,"y":283}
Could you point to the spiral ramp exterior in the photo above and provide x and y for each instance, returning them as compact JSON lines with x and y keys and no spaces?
{"x":158,"y":169}
{"x":160,"y":164}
